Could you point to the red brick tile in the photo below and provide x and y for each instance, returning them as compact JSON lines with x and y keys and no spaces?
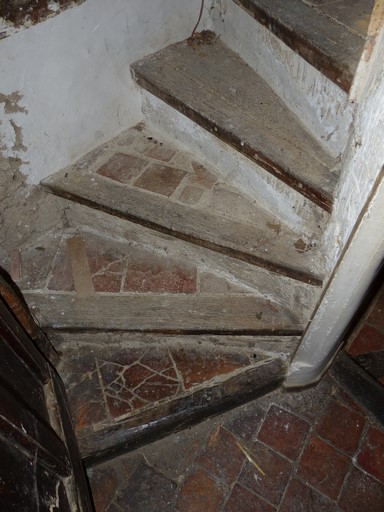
{"x":284,"y":432}
{"x":197,"y":365}
{"x":302,"y":498}
{"x":157,"y":388}
{"x":152,"y":273}
{"x":341,"y":427}
{"x":147,"y":490}
{"x":129,"y":388}
{"x":246,"y":425}
{"x":104,"y":484}
{"x":368,"y":340}
{"x":323,"y":467}
{"x":122,"y":168}
{"x":362,"y":493}
{"x":243,"y":500}
{"x":222,"y":457}
{"x":86,"y":402}
{"x":200,"y":493}
{"x":371,"y":455}
{"x":160,"y":179}
{"x":203,"y":176}
{"x":277,"y":470}
{"x":191,"y":195}
{"x":159,"y":151}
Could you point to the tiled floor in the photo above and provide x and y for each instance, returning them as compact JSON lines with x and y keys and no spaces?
{"x":313,"y":451}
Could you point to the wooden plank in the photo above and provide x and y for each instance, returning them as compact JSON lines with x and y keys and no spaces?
{"x":81,"y":273}
{"x":215,"y":88}
{"x":166,"y":313}
{"x":174,"y":415}
{"x":327,"y":45}
{"x":254,"y":244}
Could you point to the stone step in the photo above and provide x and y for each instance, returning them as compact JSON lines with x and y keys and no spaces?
{"x":125,"y":390}
{"x":151,"y":182}
{"x":329,"y":35}
{"x":214,"y":87}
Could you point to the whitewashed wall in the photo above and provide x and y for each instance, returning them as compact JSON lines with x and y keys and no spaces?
{"x":65,"y":83}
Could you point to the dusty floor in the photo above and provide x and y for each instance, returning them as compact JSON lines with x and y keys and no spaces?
{"x":313,"y":451}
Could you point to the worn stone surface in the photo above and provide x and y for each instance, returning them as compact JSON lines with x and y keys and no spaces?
{"x":224,"y":465}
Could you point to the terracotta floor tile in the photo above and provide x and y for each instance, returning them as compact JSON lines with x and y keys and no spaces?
{"x":222,"y":457}
{"x":323,"y":467}
{"x":284,"y":432}
{"x":86,"y":402}
{"x":200,"y":493}
{"x":149,"y":272}
{"x":104,"y":484}
{"x":369,"y":339}
{"x":341,"y":427}
{"x":270,"y":480}
{"x":147,"y":491}
{"x":191,"y":195}
{"x":197,"y":365}
{"x":371,"y":454}
{"x":161,"y":179}
{"x":159,"y":151}
{"x":122,"y":168}
{"x":243,"y":500}
{"x":362,"y":493}
{"x":246,"y":425}
{"x":302,"y":498}
{"x":203,"y":176}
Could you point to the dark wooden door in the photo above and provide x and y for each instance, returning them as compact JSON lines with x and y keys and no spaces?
{"x":40,"y":465}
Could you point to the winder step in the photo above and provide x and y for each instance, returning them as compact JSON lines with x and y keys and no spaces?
{"x":101,"y":273}
{"x":329,"y":35}
{"x":125,"y":390}
{"x":212,"y":85}
{"x":149,"y":181}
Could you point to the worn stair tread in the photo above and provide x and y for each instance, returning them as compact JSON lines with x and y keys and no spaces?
{"x":258,"y":237}
{"x":330,"y":37}
{"x":215,"y":88}
{"x":181,"y":313}
{"x":125,"y":390}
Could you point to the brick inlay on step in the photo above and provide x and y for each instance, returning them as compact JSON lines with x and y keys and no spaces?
{"x":122,"y":167}
{"x":161,"y":179}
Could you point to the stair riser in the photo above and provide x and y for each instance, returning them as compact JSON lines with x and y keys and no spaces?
{"x":280,"y":199}
{"x":320,"y":104}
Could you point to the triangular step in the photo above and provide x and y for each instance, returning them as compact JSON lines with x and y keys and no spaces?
{"x":329,"y":35}
{"x":103,"y":273}
{"x":213,"y":86}
{"x":126,"y":390}
{"x":151,"y":182}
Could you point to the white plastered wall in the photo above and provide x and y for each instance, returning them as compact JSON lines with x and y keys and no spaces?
{"x":355,"y":235}
{"x":65,"y":83}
